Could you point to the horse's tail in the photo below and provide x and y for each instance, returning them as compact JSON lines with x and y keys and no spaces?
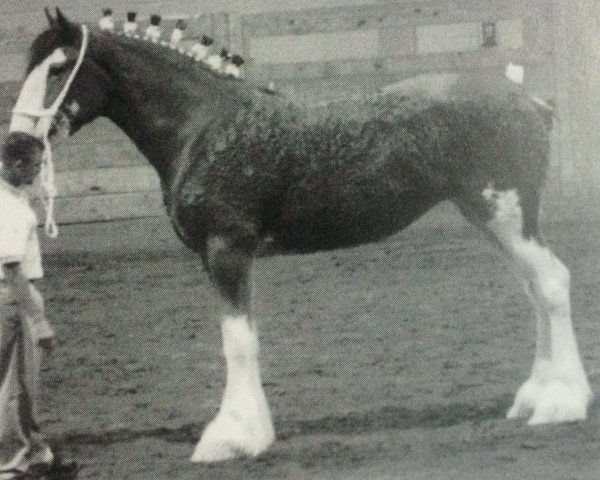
{"x":546,"y":108}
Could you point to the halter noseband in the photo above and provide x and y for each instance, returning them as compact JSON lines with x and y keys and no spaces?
{"x":45,"y":115}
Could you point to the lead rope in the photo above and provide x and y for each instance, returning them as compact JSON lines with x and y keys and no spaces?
{"x":48,"y":188}
{"x":45,"y":116}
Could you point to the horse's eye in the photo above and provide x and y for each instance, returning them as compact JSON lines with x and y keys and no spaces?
{"x":57,"y":69}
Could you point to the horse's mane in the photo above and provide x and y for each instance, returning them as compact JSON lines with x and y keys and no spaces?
{"x":386,"y":107}
{"x":198,"y":71}
{"x":173,"y":57}
{"x":54,"y":37}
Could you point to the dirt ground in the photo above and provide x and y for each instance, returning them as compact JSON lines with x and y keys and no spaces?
{"x":391,"y":361}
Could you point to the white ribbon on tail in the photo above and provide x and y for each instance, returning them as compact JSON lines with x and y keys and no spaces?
{"x":516,"y":74}
{"x":42,"y":128}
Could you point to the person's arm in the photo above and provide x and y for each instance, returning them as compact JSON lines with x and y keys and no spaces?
{"x":19,"y":288}
{"x":43,"y":331}
{"x":29,"y":303}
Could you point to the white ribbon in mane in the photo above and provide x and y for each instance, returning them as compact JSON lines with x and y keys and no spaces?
{"x":45,"y":116}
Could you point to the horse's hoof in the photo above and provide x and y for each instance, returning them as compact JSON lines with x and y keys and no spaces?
{"x":551,"y":401}
{"x":215,"y":451}
{"x":228,"y":437}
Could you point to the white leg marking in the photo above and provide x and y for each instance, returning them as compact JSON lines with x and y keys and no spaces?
{"x":558,"y":389}
{"x":243,"y":425}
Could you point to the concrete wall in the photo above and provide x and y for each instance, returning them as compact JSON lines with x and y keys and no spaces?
{"x":315,"y":50}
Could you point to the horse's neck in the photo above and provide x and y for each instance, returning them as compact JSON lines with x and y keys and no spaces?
{"x":153,"y":129}
{"x":162,"y":112}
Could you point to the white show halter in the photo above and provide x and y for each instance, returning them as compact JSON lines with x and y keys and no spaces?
{"x":46,"y":115}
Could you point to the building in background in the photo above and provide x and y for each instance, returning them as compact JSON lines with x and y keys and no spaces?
{"x":316,"y":50}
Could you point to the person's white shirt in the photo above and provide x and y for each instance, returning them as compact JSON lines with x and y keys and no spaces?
{"x":18,"y":235}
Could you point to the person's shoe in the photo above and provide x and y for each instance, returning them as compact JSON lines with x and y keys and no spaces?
{"x":17,"y":466}
{"x":40,"y":456}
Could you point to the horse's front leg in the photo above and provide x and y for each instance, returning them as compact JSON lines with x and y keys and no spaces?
{"x":243,"y":426}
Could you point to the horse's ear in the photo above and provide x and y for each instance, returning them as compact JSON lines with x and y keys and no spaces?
{"x":51,"y":20}
{"x":69,"y":31}
{"x":61,"y":19}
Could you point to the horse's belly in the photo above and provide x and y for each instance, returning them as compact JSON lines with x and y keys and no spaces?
{"x":310,"y":227}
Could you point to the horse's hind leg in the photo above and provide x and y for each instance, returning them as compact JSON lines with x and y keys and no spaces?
{"x":557,"y":390}
{"x":243,"y":425}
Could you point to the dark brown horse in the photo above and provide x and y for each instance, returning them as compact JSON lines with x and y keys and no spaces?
{"x":240,"y":166}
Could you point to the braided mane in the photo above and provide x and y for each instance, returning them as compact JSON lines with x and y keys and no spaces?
{"x":173,"y":56}
{"x":53,"y":38}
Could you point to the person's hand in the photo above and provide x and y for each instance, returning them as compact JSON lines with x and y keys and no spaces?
{"x":47,"y":345}
{"x":43,"y":333}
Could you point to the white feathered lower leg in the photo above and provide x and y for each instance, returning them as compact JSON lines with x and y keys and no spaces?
{"x":243,"y":425}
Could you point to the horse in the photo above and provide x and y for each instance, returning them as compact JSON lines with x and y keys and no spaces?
{"x":245,"y":171}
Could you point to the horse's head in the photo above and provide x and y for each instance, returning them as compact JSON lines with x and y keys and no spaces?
{"x":54,"y":96}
